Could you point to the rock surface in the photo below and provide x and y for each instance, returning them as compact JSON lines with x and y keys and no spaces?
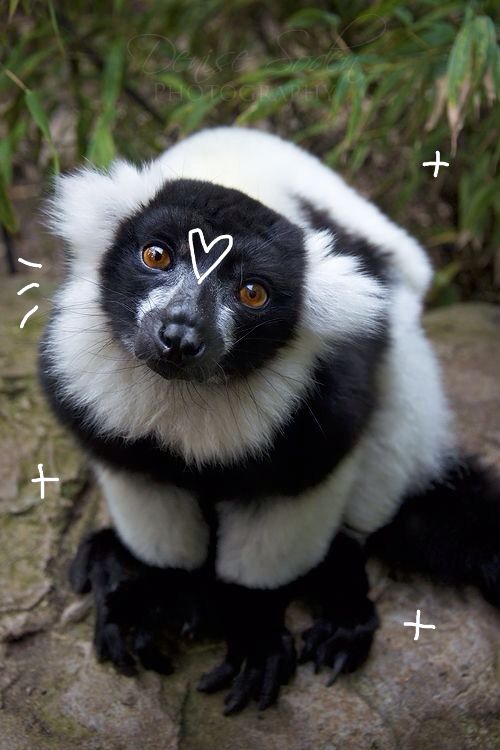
{"x":440,"y":692}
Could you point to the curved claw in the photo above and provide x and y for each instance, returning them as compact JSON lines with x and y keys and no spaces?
{"x":313,"y":637}
{"x":111,"y":646}
{"x":266,"y":668}
{"x":338,"y":666}
{"x":271,"y":681}
{"x":149,"y":654}
{"x":246,"y":686}
{"x":340,"y":646}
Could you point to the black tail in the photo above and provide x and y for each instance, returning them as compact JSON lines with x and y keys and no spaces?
{"x":451,"y":531}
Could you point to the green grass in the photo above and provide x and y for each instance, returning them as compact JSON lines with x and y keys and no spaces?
{"x":374,"y":89}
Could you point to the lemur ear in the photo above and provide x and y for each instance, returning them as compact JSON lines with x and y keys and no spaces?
{"x":88,"y":205}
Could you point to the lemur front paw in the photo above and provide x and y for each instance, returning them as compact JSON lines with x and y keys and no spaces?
{"x":129,"y":616}
{"x":341,"y":643}
{"x":256,"y":670}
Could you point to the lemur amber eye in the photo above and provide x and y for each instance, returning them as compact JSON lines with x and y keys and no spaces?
{"x":253,"y":295}
{"x":155,"y":256}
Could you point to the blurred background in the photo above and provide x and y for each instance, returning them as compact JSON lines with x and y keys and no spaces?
{"x":373,"y":89}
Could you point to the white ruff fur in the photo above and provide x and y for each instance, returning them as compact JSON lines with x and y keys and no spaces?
{"x":407,"y":441}
{"x":162,"y":525}
{"x":272,"y":543}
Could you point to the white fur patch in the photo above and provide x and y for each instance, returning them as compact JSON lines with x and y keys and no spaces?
{"x":340,"y":300}
{"x":410,"y":437}
{"x":225,"y":324}
{"x":273,"y":542}
{"x":89,"y":204}
{"x":158,"y":298}
{"x":161,"y":524}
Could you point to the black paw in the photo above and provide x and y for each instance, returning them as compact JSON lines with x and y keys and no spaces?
{"x":256,"y":672}
{"x":129,"y":617}
{"x":338,"y":643}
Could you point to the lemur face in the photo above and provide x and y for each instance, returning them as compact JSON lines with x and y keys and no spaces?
{"x":238,"y":317}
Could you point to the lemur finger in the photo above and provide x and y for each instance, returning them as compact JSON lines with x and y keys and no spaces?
{"x":100,"y":641}
{"x":289,"y":660}
{"x":312,"y":638}
{"x":327,"y":652}
{"x":245,"y":687}
{"x":100,"y":547}
{"x":271,"y":681}
{"x":117,"y":649}
{"x":148,"y":653}
{"x":338,"y":665}
{"x":79,"y":569}
{"x":219,"y":677}
{"x":358,"y":653}
{"x":320,"y":657}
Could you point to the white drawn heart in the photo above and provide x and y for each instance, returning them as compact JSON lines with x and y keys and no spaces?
{"x":207,"y":249}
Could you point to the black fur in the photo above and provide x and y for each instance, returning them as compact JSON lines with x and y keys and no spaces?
{"x":371,"y":258}
{"x":346,"y":619}
{"x":451,"y":531}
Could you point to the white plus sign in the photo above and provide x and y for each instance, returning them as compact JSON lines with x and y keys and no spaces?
{"x":42,"y":480}
{"x":417,"y":625}
{"x":436,"y":164}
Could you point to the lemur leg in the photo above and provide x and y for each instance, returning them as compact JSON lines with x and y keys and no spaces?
{"x":148,"y":575}
{"x":260,"y":653}
{"x":346,"y":619}
{"x":451,"y":531}
{"x":263,"y":549}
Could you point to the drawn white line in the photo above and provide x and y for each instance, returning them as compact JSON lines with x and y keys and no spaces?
{"x":28,"y":286}
{"x":29,"y":263}
{"x":28,"y":314}
{"x":417,"y":625}
{"x":207,"y":249}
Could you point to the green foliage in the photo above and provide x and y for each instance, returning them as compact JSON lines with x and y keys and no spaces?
{"x":373,"y":88}
{"x":36,"y":111}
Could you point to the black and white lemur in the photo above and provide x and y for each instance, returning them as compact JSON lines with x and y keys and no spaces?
{"x":255,"y":434}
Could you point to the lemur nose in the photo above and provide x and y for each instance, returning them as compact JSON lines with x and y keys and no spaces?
{"x":181,"y":342}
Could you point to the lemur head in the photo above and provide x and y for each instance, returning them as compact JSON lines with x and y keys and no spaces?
{"x":241,"y":313}
{"x":131,"y":236}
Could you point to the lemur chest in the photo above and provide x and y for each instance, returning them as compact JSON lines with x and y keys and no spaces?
{"x":301,"y":454}
{"x":300,"y":457}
